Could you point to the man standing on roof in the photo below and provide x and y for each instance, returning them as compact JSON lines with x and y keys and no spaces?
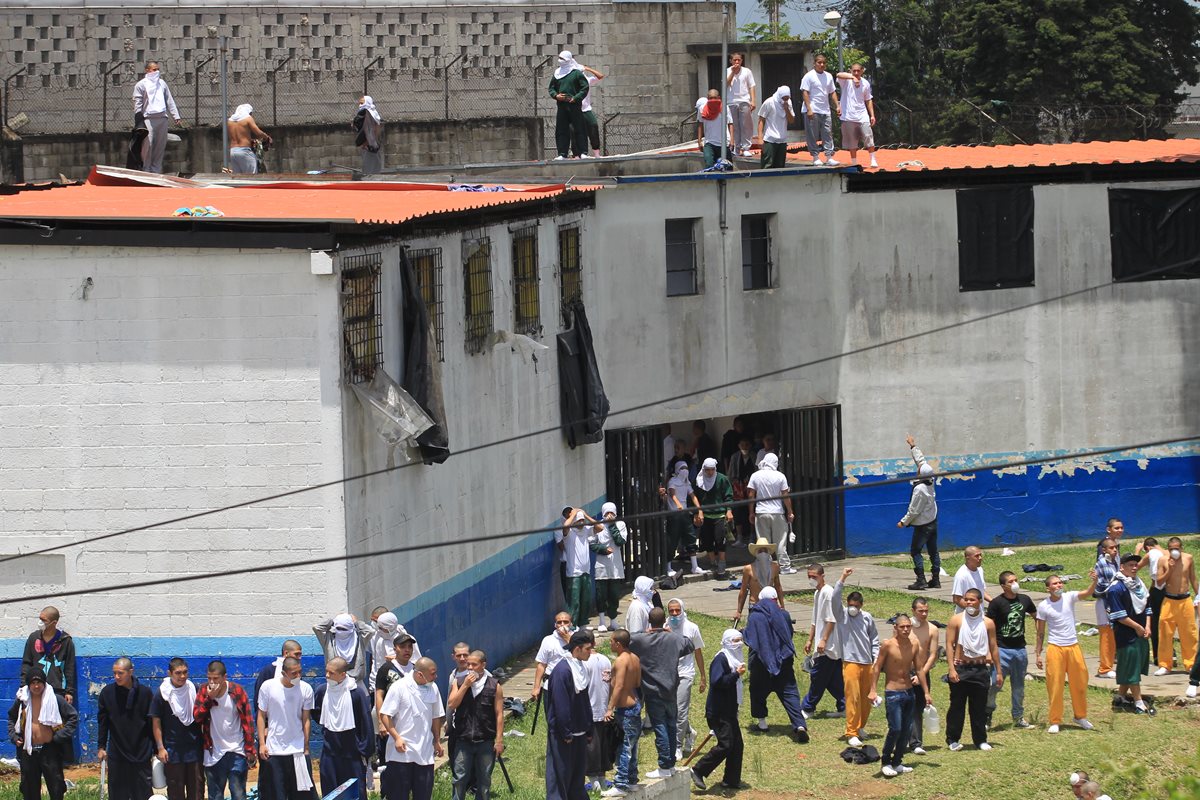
{"x":568,"y":87}
{"x":773,"y":120}
{"x":152,"y":101}
{"x":589,"y":116}
{"x":712,"y":126}
{"x":242,"y":133}
{"x":858,"y":113}
{"x":818,"y":90}
{"x":740,"y":93}
{"x":368,"y":135}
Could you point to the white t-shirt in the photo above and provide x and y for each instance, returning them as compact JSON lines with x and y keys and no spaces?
{"x":413,"y":709}
{"x":226,"y":730}
{"x":1060,"y":619}
{"x":691,"y":632}
{"x":586,"y":105}
{"x":579,"y":557}
{"x":715,"y":130}
{"x":552,"y":651}
{"x":740,"y":86}
{"x":769,"y":483}
{"x":599,"y":671}
{"x":823,"y":612}
{"x":775,"y":115}
{"x":966,"y":579}
{"x":681,"y":489}
{"x":558,"y":537}
{"x":854,"y":100}
{"x":818,"y":85}
{"x":610,"y":567}
{"x":285,"y":731}
{"x":1155,"y":554}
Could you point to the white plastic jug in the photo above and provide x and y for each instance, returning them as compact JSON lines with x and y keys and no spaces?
{"x":158,"y":773}
{"x":931,"y":722}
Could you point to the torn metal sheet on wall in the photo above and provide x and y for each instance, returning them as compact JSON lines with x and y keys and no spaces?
{"x":399,"y":419}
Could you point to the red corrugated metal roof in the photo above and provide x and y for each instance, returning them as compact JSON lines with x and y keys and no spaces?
{"x":357,"y":202}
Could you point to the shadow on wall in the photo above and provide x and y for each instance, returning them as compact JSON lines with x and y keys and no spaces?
{"x":1038,"y":504}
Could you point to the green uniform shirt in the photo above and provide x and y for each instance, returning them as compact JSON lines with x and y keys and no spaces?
{"x":720,"y":495}
{"x":574,"y":83}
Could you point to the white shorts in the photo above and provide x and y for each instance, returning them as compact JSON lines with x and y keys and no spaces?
{"x":856,"y":135}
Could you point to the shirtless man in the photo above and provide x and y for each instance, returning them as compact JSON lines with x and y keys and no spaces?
{"x":1177,"y":574}
{"x":900,"y":660}
{"x":755,"y":576}
{"x":623,"y":706}
{"x":242,"y":133}
{"x":928,"y":637}
{"x":972,"y":655}
{"x":42,"y":754}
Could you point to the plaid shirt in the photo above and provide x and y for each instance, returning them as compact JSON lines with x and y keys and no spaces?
{"x":202,"y":712}
{"x":1106,"y":573}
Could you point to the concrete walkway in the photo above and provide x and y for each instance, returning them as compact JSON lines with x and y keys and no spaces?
{"x":699,"y":596}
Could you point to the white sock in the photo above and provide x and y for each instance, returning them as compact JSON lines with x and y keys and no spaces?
{"x":695,"y":563}
{"x":1141,"y":704}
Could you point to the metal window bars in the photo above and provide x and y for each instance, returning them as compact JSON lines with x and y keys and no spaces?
{"x":362,"y":325}
{"x":570,"y":270}
{"x":477,"y":284}
{"x":526,"y":295}
{"x":427,"y":267}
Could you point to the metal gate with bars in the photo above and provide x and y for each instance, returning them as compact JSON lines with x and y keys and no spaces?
{"x":810,"y":449}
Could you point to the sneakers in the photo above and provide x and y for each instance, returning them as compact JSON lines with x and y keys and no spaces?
{"x":1022,"y":724}
{"x":762,"y":724}
{"x":788,"y":571}
{"x":1083,"y":723}
{"x":615,"y":791}
{"x":889,"y":772}
{"x":1158,"y":673}
{"x":955,"y":747}
{"x":919,"y":751}
{"x":560,"y":158}
{"x":698,"y":779}
{"x":903,"y":769}
{"x":854,"y":162}
{"x":697,"y":571}
{"x":601,"y":629}
{"x":818,"y":162}
{"x":1112,"y":673}
{"x":1140,"y":707}
{"x":855,"y":741}
{"x":661,"y":772}
{"x":801,"y":735}
{"x":1191,"y":691}
{"x":833,"y":162}
{"x":1052,"y":729}
{"x":679,"y":755}
{"x":985,"y":746}
{"x":874,"y":163}
{"x":808,"y":716}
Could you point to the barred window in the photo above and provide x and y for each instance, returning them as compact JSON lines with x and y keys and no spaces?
{"x":528,"y":317}
{"x":757,"y":268}
{"x":362,"y":327}
{"x":570,"y":270}
{"x":682,"y":257}
{"x":427,"y":266}
{"x":477,"y":283}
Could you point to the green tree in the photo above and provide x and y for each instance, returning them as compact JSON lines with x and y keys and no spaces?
{"x":761,"y":32}
{"x":1010,"y":57}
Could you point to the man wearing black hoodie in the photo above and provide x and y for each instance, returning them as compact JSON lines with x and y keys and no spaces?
{"x":53,"y":652}
{"x":124,"y":737}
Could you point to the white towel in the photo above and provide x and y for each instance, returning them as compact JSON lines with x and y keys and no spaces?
{"x":337,"y":712}
{"x":182,"y":699}
{"x":303,"y":779}
{"x":48,"y":715}
{"x":477,"y":686}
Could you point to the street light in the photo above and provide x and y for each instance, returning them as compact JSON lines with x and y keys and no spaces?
{"x":834,"y":20}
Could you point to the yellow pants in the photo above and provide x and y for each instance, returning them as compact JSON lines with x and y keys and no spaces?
{"x":1176,"y":615}
{"x":1108,"y":649}
{"x":857,"y":679}
{"x":1064,"y":662}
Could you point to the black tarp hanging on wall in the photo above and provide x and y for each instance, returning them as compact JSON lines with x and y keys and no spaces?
{"x":1155,"y":234}
{"x":422,"y":377}
{"x":583,"y":401}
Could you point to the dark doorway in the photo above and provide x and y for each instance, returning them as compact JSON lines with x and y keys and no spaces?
{"x":783,"y":70}
{"x":634,"y":466}
{"x":810,"y":449}
{"x":714,"y":75}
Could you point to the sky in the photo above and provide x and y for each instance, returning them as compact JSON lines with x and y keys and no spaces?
{"x":802,"y":22}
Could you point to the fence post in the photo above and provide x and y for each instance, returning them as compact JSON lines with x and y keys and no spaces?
{"x":446,"y":85}
{"x":196,"y":89}
{"x":274,"y":90}
{"x":911,"y":136}
{"x":7,"y":95}
{"x":367,"y":72}
{"x":104,"y":93}
{"x":604,"y":132}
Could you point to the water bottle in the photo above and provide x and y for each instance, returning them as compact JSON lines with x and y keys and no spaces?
{"x":158,"y":773}
{"x":931,"y":722}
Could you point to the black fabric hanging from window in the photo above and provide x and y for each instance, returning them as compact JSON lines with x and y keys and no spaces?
{"x":581,"y":392}
{"x":1154,"y":234}
{"x":422,"y":370}
{"x":995,"y":238}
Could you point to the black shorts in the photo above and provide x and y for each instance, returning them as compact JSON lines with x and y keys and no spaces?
{"x":712,"y":534}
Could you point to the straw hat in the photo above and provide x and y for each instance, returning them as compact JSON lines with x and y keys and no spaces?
{"x":761,"y":545}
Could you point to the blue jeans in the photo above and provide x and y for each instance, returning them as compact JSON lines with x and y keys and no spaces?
{"x":826,"y":677}
{"x":473,"y":765}
{"x":630,"y":720}
{"x":231,"y":770}
{"x":662,"y":713}
{"x":899,"y":718}
{"x":1013,"y":666}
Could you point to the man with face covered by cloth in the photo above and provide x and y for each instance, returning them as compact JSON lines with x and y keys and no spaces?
{"x":41,"y":724}
{"x":637,"y":617}
{"x":607,"y":542}
{"x":714,"y":491}
{"x":568,"y":87}
{"x":769,"y":631}
{"x":387,"y":630}
{"x":345,"y":637}
{"x":344,"y":712}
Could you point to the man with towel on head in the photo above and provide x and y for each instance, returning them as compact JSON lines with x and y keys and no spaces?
{"x":714,"y":492}
{"x":637,"y":617}
{"x":123,"y":736}
{"x":721,"y":713}
{"x":712,"y":131}
{"x":383,"y":644}
{"x":607,"y":542}
{"x":774,"y":117}
{"x":242,"y":132}
{"x":568,"y":87}
{"x":42,"y":725}
{"x":769,"y":632}
{"x":368,"y":135}
{"x":345,"y":637}
{"x":177,"y":735}
{"x":344,"y":712}
{"x":285,"y":707}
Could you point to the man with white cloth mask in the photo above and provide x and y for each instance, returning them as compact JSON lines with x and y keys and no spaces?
{"x":569,"y":86}
{"x":714,"y":492}
{"x":637,"y":616}
{"x":412,"y":714}
{"x":285,"y":707}
{"x":387,"y":630}
{"x":368,"y":135}
{"x":344,"y":636}
{"x":243,"y":130}
{"x":769,"y":487}
{"x":774,"y":117}
{"x":152,"y":100}
{"x":689,"y":667}
{"x":177,"y":735}
{"x":607,"y":542}
{"x":41,"y":724}
{"x":721,"y":713}
{"x":344,"y":713}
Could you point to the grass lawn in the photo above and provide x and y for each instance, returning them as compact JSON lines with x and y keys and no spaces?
{"x":1075,"y":559}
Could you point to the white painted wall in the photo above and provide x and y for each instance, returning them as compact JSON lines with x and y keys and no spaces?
{"x":181,"y":380}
